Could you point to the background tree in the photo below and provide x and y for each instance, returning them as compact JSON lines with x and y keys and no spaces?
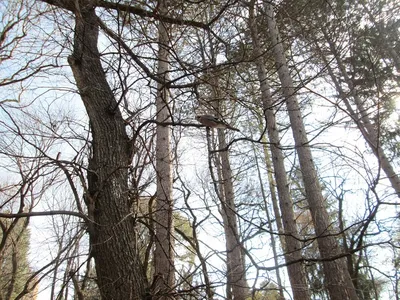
{"x":14,"y":248}
{"x":338,"y":279}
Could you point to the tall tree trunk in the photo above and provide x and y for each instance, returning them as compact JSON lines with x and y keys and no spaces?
{"x":272,"y":184}
{"x":237,"y":287}
{"x":292,"y":246}
{"x":164,"y":248}
{"x":219,"y":187}
{"x":337,"y":277}
{"x":111,"y":229}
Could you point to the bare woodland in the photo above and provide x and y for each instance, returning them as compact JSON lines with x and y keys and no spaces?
{"x":110,"y":188}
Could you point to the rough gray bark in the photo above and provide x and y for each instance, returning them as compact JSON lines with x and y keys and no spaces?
{"x":337,"y":277}
{"x":164,"y":247}
{"x":111,"y":229}
{"x":292,"y":246}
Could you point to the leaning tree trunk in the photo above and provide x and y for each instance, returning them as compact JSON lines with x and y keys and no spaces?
{"x":237,"y":287}
{"x":164,"y":248}
{"x":361,"y":116}
{"x":337,"y":277}
{"x":292,"y":246}
{"x":111,"y":229}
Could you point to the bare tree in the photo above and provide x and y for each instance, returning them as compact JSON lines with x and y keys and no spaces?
{"x":119,"y":271}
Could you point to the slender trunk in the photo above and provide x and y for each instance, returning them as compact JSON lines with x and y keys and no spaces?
{"x":237,"y":287}
{"x":269,"y":220}
{"x":272,"y":188}
{"x":164,"y":248}
{"x":337,"y":277}
{"x":220,"y":191}
{"x":111,"y":229}
{"x":55,"y":271}
{"x":235,"y":257}
{"x":292,"y":246}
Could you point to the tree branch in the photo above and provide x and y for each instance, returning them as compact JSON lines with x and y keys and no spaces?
{"x":42,"y":213}
{"x":151,"y":14}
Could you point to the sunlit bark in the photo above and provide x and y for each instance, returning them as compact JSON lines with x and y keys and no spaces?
{"x":164,"y":248}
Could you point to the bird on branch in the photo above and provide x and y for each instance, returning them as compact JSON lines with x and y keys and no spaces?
{"x":214,"y":122}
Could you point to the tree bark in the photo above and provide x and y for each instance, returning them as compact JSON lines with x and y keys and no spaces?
{"x":111,"y":228}
{"x":337,"y":277}
{"x":237,"y":287}
{"x":164,"y":247}
{"x":292,"y":246}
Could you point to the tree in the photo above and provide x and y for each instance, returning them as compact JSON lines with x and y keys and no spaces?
{"x":338,"y":279}
{"x":237,"y":287}
{"x":164,"y":228}
{"x":292,"y":246}
{"x":109,"y":207}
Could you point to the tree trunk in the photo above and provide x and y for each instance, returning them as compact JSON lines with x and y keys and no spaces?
{"x":237,"y":287}
{"x":292,"y":246}
{"x":337,"y":277}
{"x":164,"y":248}
{"x":112,"y":231}
{"x":235,"y":258}
{"x":273,"y":237}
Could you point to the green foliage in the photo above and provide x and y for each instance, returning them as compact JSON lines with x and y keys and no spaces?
{"x":185,"y":254}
